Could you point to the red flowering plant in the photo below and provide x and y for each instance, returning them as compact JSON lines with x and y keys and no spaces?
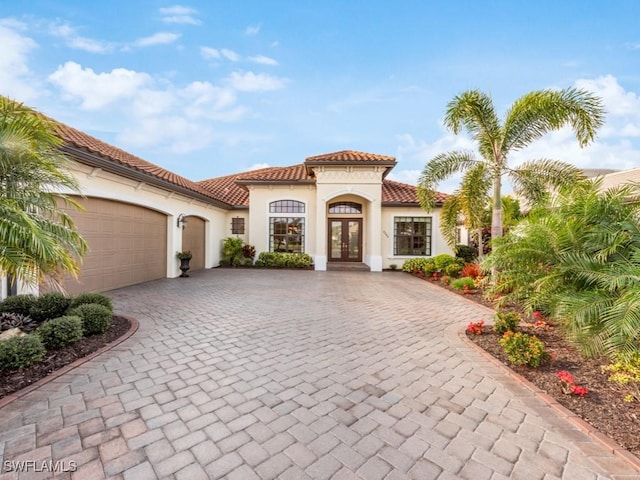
{"x":540,"y":321}
{"x":476,"y":328}
{"x":569,"y":385}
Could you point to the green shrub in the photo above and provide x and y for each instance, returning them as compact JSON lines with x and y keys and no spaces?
{"x":282,"y":260}
{"x":92,"y":297}
{"x":19,"y":352}
{"x":49,"y":305}
{"x":423,"y":264}
{"x":523,"y":349}
{"x":18,"y":304}
{"x":393,"y":266}
{"x":459,"y":283}
{"x":10,"y":320}
{"x":442,"y":261}
{"x":505,"y":321}
{"x":454,"y":268}
{"x":60,"y":332}
{"x":466,"y":253}
{"x":95,"y":318}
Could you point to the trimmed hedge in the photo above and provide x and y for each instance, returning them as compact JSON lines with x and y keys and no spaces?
{"x":284,"y":260}
{"x":19,"y":352}
{"x":60,"y":332}
{"x":18,"y":304}
{"x":92,"y":297}
{"x":95,"y":318}
{"x":49,"y":305}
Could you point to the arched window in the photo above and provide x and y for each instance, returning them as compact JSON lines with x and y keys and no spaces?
{"x":345,"y":207}
{"x":286,"y":206}
{"x":286,"y":233}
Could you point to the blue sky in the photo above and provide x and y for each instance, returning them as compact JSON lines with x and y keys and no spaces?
{"x":208,"y":88}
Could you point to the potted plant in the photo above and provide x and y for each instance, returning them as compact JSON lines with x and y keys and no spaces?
{"x":184,"y":257}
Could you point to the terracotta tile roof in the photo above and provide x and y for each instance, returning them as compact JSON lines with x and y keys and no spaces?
{"x":277,"y":174}
{"x":402,"y":193}
{"x":230,"y":189}
{"x":91,"y":144}
{"x":350,"y":156}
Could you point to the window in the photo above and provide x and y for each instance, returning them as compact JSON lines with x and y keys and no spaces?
{"x":286,"y":234}
{"x":237,"y":226}
{"x":286,"y":206}
{"x":345,"y":207}
{"x":412,"y":236}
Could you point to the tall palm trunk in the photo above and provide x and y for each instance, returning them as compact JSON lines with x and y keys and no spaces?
{"x":496,"y":216}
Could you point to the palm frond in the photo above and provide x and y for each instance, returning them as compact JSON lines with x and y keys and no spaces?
{"x":440,"y":168}
{"x":537,"y":113}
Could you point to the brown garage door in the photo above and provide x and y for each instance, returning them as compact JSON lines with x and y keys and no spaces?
{"x":127,"y":245}
{"x":193,"y":240}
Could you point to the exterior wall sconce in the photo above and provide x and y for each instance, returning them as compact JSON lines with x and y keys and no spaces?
{"x":182,"y":220}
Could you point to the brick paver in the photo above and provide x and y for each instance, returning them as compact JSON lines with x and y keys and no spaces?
{"x":285,"y":374}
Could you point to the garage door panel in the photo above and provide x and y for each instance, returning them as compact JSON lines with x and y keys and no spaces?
{"x":193,"y":240}
{"x":127,"y":245}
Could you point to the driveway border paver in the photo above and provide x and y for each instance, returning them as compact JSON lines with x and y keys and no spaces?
{"x":75,"y":364}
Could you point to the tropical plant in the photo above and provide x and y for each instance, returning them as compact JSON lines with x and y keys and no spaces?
{"x":10,"y":320}
{"x":523,"y":349}
{"x":232,"y":251}
{"x":504,"y":322}
{"x":37,"y":237}
{"x":578,"y":259}
{"x":463,"y":283}
{"x":529,"y":118}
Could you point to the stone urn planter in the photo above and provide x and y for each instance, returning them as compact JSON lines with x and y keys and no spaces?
{"x":185,"y":258}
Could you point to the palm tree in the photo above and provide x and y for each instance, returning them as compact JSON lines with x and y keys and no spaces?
{"x":529,"y":118}
{"x":37,"y":237}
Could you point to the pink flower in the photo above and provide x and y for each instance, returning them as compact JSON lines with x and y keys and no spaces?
{"x":537,"y":314}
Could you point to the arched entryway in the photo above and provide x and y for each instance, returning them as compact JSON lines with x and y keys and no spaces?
{"x":193,"y":240}
{"x":345,"y":233}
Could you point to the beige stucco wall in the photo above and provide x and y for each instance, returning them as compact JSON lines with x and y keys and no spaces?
{"x":260,"y":196}
{"x":438,"y":245}
{"x":98,"y":183}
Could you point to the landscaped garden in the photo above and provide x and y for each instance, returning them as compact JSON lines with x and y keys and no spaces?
{"x":565,"y":284}
{"x":43,"y":334}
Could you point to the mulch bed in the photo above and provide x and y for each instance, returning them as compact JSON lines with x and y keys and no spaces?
{"x":602,"y":407}
{"x":15,"y":380}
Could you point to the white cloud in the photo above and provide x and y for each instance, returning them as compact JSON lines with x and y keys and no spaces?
{"x":172,"y":132}
{"x":160,"y":38}
{"x":404,"y":176}
{"x":16,"y":79}
{"x":258,"y":166}
{"x":72,"y":40}
{"x":96,"y":90}
{"x":618,"y":102}
{"x":263,"y":60}
{"x":209,"y":53}
{"x":251,"y":82}
{"x":230,"y":55}
{"x":179,"y":14}
{"x":252,"y":30}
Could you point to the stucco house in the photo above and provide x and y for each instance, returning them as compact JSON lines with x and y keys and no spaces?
{"x":337,"y":207}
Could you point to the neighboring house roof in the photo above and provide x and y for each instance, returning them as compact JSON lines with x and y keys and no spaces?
{"x":597,"y":172}
{"x":620,"y":178}
{"x":90,"y":150}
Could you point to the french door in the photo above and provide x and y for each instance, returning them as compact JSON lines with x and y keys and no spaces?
{"x":345,"y":239}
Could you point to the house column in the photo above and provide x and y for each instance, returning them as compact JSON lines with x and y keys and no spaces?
{"x":320,"y":259}
{"x":374,"y":235}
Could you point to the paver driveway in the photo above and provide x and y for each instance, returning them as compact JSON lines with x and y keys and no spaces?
{"x":250,"y":374}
